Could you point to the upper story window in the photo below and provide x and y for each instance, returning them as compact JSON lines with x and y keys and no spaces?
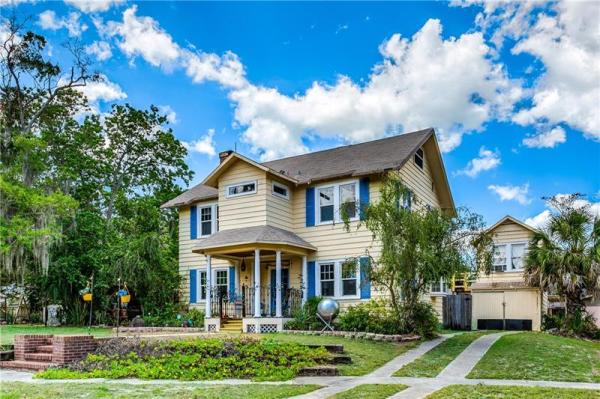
{"x":509,"y":257}
{"x":338,"y":279}
{"x":238,"y":189}
{"x":208,"y":220}
{"x":280,"y":190}
{"x":419,"y":158}
{"x":331,"y":199}
{"x":439,"y":287}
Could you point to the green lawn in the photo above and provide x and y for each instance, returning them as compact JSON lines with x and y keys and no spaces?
{"x":14,"y":390}
{"x":7,"y":333}
{"x":434,"y":361}
{"x":511,"y":392}
{"x":539,"y":356}
{"x":370,"y":391}
{"x":366,"y":355}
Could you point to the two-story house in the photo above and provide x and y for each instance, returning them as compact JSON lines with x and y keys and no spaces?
{"x":259,"y":239}
{"x":502,"y":299}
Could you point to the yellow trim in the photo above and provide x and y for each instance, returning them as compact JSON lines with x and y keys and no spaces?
{"x":213,"y":177}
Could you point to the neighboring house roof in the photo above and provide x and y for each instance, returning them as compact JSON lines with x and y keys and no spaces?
{"x":252,"y":235}
{"x":377,"y":156}
{"x":509,"y":218}
{"x":197,"y":193}
{"x":500,"y":285}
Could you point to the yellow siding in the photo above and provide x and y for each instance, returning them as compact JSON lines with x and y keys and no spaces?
{"x":245,"y":210}
{"x":420,"y":182}
{"x":187,"y":259}
{"x":279,"y":210}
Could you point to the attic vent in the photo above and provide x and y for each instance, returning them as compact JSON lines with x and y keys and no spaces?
{"x":282,"y":172}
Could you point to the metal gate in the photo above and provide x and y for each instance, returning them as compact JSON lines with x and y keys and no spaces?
{"x":457,"y":311}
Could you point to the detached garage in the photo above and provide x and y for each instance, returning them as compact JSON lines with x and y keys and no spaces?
{"x":507,"y":305}
{"x":502,"y":300}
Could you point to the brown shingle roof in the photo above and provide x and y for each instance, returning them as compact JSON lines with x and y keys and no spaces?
{"x":197,"y":193}
{"x":252,"y":235}
{"x":351,"y":160}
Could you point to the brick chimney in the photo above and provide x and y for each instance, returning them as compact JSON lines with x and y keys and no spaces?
{"x":224,"y":154}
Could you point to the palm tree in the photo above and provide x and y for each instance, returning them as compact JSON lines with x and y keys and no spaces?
{"x":564,"y":257}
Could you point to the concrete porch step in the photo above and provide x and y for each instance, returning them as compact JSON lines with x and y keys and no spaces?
{"x":26,"y":365}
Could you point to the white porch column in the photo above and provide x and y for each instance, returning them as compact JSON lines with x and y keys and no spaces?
{"x":257,"y":283}
{"x":278,"y":307}
{"x":207,"y":307}
{"x":304,"y":280}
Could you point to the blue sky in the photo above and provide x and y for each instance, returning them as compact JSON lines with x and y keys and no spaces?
{"x":515,"y":106}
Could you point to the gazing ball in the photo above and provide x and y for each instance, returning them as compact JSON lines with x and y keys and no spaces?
{"x":328,"y":308}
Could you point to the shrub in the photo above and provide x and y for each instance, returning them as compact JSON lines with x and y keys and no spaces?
{"x":421,"y":319}
{"x":305,"y":318}
{"x":373,"y":316}
{"x":171,"y":316}
{"x":196,"y":359}
{"x":578,"y":324}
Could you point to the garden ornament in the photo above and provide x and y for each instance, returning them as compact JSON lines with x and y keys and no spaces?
{"x":327,"y":310}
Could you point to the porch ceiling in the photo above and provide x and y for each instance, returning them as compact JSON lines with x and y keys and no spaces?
{"x":241,"y":242}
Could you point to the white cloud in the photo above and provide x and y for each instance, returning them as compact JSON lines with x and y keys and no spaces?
{"x":100,"y":49}
{"x":548,"y":139}
{"x":487,"y":160}
{"x":142,"y":36}
{"x":512,"y":193}
{"x":169,"y":112}
{"x":104,"y":90}
{"x":48,"y":20}
{"x":91,"y":6}
{"x":541,"y":219}
{"x":423,"y":81}
{"x":205,"y":145}
{"x":565,"y":37}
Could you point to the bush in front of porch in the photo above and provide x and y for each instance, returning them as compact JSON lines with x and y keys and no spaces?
{"x":194,"y":359}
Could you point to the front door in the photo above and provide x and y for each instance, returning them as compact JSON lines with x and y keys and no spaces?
{"x":285,"y":283}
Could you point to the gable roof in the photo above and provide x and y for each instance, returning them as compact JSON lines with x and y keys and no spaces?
{"x":355,"y":160}
{"x":516,"y":221}
{"x":352,"y":160}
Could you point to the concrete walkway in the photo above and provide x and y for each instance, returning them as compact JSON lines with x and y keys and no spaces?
{"x":418,"y":388}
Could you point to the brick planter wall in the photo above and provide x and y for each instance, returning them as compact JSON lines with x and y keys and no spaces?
{"x":70,"y":348}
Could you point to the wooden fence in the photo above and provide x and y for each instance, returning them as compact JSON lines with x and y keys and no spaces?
{"x":457,"y":311}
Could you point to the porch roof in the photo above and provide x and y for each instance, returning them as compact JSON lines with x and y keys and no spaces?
{"x":501,"y":285}
{"x":256,"y":236}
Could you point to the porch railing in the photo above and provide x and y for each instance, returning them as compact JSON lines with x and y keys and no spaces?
{"x":240,"y":303}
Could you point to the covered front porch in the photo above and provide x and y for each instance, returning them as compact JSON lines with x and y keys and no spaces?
{"x":266,"y":280}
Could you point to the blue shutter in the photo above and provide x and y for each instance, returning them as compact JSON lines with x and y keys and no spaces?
{"x":232,"y":283}
{"x":193,"y":285}
{"x":365,"y":284}
{"x":193,"y":222}
{"x":363,"y":193}
{"x":311,"y":279}
{"x":310,"y":207}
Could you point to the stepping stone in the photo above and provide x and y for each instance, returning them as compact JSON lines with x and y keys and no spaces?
{"x":341,"y":359}
{"x":331,"y":348}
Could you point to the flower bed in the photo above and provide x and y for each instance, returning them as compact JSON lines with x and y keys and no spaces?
{"x":359,"y":335}
{"x":193,"y":359}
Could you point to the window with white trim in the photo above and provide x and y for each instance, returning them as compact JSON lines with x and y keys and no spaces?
{"x":517,"y":253}
{"x":202,"y":285}
{"x":420,"y":158}
{"x":499,"y":258}
{"x":439,"y":287}
{"x":332,"y":198}
{"x":338,"y":279}
{"x":244,"y":188}
{"x":509,"y":257}
{"x":208,"y":221}
{"x":280,"y":190}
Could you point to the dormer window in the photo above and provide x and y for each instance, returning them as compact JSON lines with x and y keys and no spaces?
{"x":245,"y":188}
{"x":419,"y":158}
